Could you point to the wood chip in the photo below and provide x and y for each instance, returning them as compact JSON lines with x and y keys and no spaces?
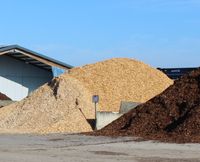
{"x":54,"y":107}
{"x":65,"y":104}
{"x":121,"y":79}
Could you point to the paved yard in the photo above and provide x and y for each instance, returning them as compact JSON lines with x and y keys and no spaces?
{"x":72,"y":148}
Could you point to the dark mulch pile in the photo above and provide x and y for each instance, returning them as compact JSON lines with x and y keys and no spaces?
{"x":172,"y":116}
{"x":4,"y":97}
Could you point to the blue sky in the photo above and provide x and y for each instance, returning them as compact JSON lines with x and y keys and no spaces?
{"x":162,"y":33}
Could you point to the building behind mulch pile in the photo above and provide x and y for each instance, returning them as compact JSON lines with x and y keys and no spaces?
{"x":4,"y":97}
{"x":172,"y":116}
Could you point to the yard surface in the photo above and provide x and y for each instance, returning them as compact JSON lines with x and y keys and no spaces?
{"x":73,"y":148}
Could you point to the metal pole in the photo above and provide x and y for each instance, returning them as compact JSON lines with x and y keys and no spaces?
{"x":95,"y":115}
{"x":95,"y":100}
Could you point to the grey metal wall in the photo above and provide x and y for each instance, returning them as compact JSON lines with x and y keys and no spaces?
{"x":18,"y":79}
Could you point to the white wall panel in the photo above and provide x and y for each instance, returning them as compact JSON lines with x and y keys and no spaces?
{"x":13,"y":89}
{"x":18,"y":79}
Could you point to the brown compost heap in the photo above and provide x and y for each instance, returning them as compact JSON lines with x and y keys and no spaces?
{"x":4,"y":97}
{"x":121,"y":79}
{"x":172,"y":116}
{"x":59,"y":106}
{"x":65,"y":104}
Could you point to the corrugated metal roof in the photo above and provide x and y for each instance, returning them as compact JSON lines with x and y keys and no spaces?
{"x":33,"y":53}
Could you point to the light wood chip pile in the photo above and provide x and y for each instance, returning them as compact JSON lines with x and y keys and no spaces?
{"x":64,"y":104}
{"x":60,"y":106}
{"x":121,"y":79}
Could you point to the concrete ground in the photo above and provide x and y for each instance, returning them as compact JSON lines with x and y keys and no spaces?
{"x":72,"y":148}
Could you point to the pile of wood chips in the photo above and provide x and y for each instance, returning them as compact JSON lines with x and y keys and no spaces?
{"x":60,"y":106}
{"x":65,"y":105}
{"x":121,"y":79}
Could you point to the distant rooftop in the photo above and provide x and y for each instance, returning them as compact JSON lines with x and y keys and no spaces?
{"x":175,"y":73}
{"x":32,"y":57}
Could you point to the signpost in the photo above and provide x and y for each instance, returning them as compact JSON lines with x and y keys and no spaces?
{"x":95,"y":100}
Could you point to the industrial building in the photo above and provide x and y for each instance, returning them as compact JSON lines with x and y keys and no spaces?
{"x":176,"y":73}
{"x":23,"y":70}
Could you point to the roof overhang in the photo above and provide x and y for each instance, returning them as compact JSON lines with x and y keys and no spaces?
{"x":33,"y":58}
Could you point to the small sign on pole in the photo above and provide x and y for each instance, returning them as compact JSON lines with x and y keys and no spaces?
{"x":95,"y":100}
